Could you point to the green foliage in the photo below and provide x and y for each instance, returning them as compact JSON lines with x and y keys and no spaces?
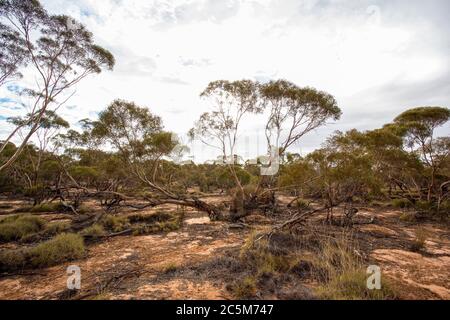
{"x":82,"y":173}
{"x":421,"y":236}
{"x":445,"y":207}
{"x":245,"y":288}
{"x":170,"y":268}
{"x":164,"y":224}
{"x":54,"y":228}
{"x":94,"y":231}
{"x":12,"y":260}
{"x":115,"y":223}
{"x":380,"y":204}
{"x":424,"y":206}
{"x":407,"y":217}
{"x":63,"y":247}
{"x":421,"y":121}
{"x":43,"y":207}
{"x":330,"y":261}
{"x":18,"y":226}
{"x":159,"y":216}
{"x":301,"y":204}
{"x":401,"y":203}
{"x":345,"y":274}
{"x":286,"y":102}
{"x":159,"y":221}
{"x":351,"y":285}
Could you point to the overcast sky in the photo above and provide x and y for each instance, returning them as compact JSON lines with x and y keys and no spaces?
{"x":378,"y":58}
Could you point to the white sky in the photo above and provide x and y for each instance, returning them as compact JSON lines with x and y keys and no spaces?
{"x":378,"y":58}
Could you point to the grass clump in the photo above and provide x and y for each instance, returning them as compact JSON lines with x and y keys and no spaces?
{"x":17,"y":227}
{"x":378,"y":204}
{"x":401,"y":203}
{"x":329,"y":259}
{"x":421,"y":236}
{"x":94,"y":231}
{"x":170,"y":268}
{"x":345,"y":274}
{"x":407,"y":217}
{"x":352,"y":285}
{"x":143,"y":223}
{"x":57,"y":227}
{"x":159,"y":216}
{"x":64,"y":247}
{"x":43,"y":207}
{"x":115,"y":223}
{"x":173,"y":223}
{"x":245,"y":288}
{"x":302,"y":204}
{"x":12,"y":260}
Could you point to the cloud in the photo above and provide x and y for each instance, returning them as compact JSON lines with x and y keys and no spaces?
{"x":377,"y":57}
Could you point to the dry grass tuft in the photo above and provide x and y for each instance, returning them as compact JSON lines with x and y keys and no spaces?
{"x":18,"y":226}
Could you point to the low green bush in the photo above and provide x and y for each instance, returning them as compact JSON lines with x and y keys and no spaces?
{"x":401,"y":203}
{"x":115,"y":223}
{"x":301,"y":204}
{"x":245,"y":288}
{"x":43,"y":207}
{"x":94,"y":231}
{"x":57,"y":227}
{"x":18,"y":226}
{"x":63,"y":247}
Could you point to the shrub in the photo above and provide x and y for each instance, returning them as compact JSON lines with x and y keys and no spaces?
{"x":18,"y":226}
{"x":331,"y":261}
{"x":43,"y":207}
{"x":419,"y":241}
{"x":115,"y":223}
{"x":344,"y":273}
{"x":170,"y":268}
{"x":301,"y":204}
{"x":48,"y":207}
{"x":378,"y":204}
{"x":401,"y":203}
{"x":57,"y":227}
{"x":158,"y":222}
{"x":444,"y":209}
{"x":158,"y":216}
{"x":167,"y":226}
{"x":64,"y":247}
{"x":12,"y":260}
{"x":94,"y":231}
{"x":407,"y":217}
{"x":245,"y":288}
{"x":424,"y":206}
{"x":351,"y":285}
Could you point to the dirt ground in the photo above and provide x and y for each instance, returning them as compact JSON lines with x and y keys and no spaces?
{"x":180,"y":264}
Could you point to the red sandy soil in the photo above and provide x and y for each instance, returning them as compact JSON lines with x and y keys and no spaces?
{"x":138,"y":267}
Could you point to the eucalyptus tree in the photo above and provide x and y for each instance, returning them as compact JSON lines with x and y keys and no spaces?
{"x":219,"y":128}
{"x":61,"y":53}
{"x":230,"y":101}
{"x":138,"y":138}
{"x":295,"y":111}
{"x":13,"y":54}
{"x":50,"y":124}
{"x":291,"y":112}
{"x":419,"y":125}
